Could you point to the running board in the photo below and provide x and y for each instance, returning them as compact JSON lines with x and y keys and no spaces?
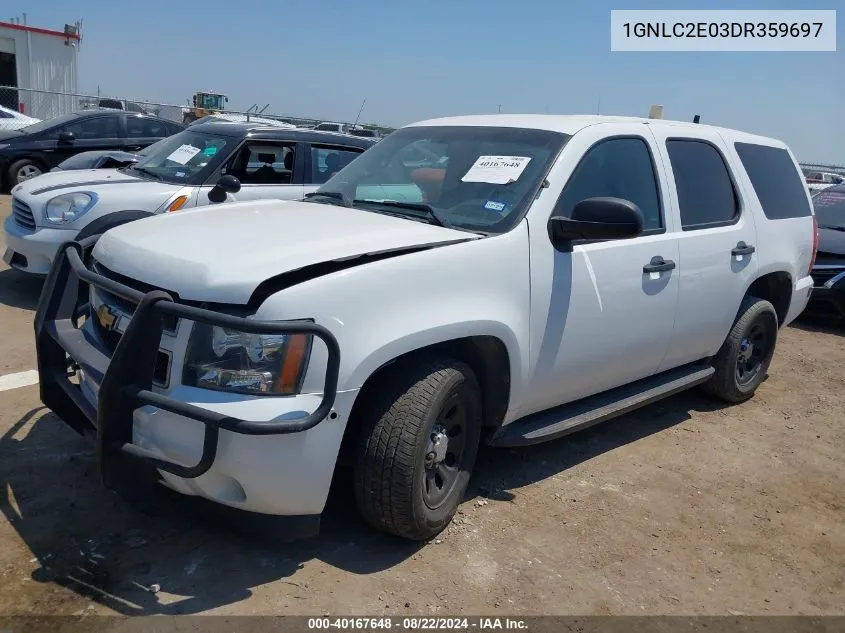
{"x":560,"y":421}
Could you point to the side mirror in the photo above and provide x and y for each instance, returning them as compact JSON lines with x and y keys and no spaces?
{"x":66,"y":137}
{"x":597,"y":219}
{"x":226,"y":184}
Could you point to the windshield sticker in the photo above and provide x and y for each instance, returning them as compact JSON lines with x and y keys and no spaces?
{"x":209,"y":151}
{"x":492,"y":205}
{"x":497,"y":170}
{"x":183,"y":154}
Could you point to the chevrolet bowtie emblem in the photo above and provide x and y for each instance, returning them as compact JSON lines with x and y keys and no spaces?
{"x":106,"y":317}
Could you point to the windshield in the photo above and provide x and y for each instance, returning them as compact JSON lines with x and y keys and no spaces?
{"x":211,"y":102}
{"x":473,"y":178}
{"x":184,"y":158}
{"x":46,"y":125}
{"x":829,"y":206}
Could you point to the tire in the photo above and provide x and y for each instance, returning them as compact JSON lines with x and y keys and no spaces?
{"x":743,"y":360}
{"x":407,"y":481}
{"x":19,"y":168}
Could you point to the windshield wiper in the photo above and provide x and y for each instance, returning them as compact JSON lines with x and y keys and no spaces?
{"x":144,"y":170}
{"x":331,"y":195}
{"x":433,"y":216}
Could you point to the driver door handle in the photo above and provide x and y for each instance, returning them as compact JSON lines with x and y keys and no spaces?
{"x":658,"y":265}
{"x":743,"y":249}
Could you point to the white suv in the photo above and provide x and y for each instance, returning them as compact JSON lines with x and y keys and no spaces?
{"x":534,"y":276}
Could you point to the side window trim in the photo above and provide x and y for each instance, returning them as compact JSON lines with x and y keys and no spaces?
{"x":739,"y":202}
{"x":661,"y":207}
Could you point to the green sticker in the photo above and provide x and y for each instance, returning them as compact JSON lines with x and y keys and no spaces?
{"x":209,"y":151}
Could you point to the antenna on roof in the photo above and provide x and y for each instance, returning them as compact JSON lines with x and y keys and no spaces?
{"x":696,"y":118}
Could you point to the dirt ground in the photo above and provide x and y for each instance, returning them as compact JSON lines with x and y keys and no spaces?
{"x":685,"y":507}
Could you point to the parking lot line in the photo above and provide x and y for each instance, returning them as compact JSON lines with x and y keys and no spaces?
{"x":20,"y":379}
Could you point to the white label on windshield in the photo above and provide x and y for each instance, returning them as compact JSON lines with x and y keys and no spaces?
{"x":497,"y":170}
{"x":184,"y":154}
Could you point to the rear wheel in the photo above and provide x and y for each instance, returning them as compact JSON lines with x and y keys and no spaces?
{"x":418,"y":448}
{"x":743,"y":361}
{"x":23,"y":170}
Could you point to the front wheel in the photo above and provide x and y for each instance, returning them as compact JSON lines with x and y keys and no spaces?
{"x":23,"y":170}
{"x":744,"y":358}
{"x":418,"y":448}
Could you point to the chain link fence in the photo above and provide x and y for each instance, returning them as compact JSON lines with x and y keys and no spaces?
{"x":46,"y":104}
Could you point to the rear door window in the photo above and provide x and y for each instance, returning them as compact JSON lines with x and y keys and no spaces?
{"x":143,"y":127}
{"x":706,"y":194}
{"x":778,"y":184}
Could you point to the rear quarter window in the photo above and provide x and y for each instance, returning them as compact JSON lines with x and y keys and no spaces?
{"x":776,"y":181}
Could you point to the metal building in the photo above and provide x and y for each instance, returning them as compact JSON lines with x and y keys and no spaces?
{"x":35,"y":59}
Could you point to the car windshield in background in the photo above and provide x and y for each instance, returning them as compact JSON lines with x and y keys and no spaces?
{"x":472,"y":178}
{"x":829,"y":206}
{"x":186,"y":158}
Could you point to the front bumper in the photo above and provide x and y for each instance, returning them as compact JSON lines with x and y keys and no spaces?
{"x":828,"y":290}
{"x":143,"y":434}
{"x":36,"y":249}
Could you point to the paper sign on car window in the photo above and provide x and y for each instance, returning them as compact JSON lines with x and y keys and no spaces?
{"x":183,"y":154}
{"x":497,"y":170}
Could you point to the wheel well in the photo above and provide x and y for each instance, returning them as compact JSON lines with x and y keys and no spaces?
{"x":776,"y":288}
{"x":486,"y":355}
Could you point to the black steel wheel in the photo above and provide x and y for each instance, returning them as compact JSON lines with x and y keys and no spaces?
{"x":418,"y":447}
{"x":743,"y":360}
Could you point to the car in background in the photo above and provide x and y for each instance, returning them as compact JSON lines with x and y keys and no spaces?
{"x":819,"y":180}
{"x":14,"y":120}
{"x":326,"y":126}
{"x":201,"y":165}
{"x":37,"y":148}
{"x":365,"y":133}
{"x":828,"y":296}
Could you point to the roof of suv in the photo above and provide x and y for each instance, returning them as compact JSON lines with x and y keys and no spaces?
{"x":240,"y":130}
{"x":572,"y":123}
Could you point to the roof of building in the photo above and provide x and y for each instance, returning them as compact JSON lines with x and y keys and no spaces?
{"x":39,"y":31}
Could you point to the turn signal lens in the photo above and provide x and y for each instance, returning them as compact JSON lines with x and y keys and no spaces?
{"x":178,"y":203}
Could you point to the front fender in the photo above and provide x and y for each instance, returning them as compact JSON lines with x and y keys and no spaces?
{"x":417,"y":340}
{"x":381,"y":310}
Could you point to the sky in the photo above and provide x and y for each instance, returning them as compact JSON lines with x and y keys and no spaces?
{"x":414,"y":61}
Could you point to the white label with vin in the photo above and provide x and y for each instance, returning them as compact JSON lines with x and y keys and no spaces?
{"x":183,"y":154}
{"x":497,"y":170}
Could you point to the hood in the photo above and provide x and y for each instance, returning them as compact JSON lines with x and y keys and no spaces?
{"x":221,"y":254}
{"x":7,"y":134}
{"x":113,"y":187}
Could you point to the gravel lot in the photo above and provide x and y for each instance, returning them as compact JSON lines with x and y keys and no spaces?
{"x":684,"y":507}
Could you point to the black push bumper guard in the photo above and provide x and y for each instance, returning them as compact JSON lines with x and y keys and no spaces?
{"x":126,"y":378}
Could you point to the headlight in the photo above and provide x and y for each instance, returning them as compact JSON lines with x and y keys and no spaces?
{"x":228,"y":360}
{"x":69,"y":206}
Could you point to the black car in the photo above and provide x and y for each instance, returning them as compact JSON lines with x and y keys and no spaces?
{"x":37,"y":148}
{"x":828,"y":272}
